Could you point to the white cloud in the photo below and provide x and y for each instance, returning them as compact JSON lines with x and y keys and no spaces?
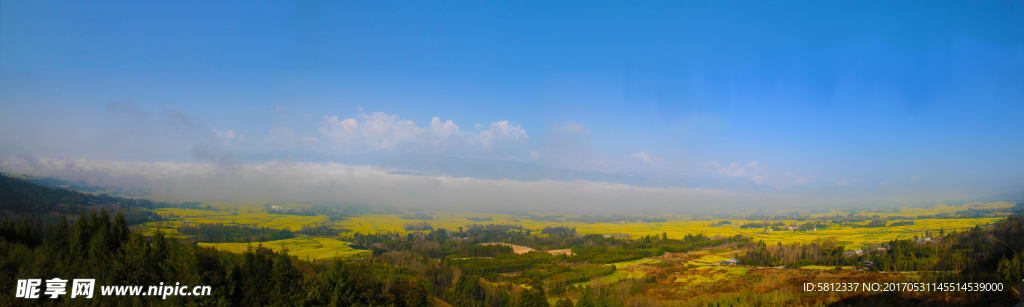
{"x":845,"y":181}
{"x":641,"y":156}
{"x":571,"y":128}
{"x":227,"y":135}
{"x":801,"y":180}
{"x":440,"y":129}
{"x":499,"y":132}
{"x":310,"y":139}
{"x":535,"y":155}
{"x":380,"y":132}
{"x":333,"y":127}
{"x":712,"y":164}
{"x":735,"y":170}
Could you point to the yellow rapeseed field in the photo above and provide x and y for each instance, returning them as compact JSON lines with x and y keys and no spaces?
{"x":248,"y":215}
{"x":676,"y":226}
{"x":302,"y":247}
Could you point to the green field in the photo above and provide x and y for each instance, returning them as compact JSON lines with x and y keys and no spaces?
{"x":710,"y":259}
{"x":626,"y":264}
{"x":708,"y":274}
{"x":304,"y":248}
{"x":614,"y":277}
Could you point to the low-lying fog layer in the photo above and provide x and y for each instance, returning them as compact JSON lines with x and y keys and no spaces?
{"x":278,"y":181}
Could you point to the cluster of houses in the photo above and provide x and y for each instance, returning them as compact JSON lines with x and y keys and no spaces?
{"x":859,"y":252}
{"x":631,"y":222}
{"x":868,"y":265}
{"x":768,"y":229}
{"x":421,"y":235}
{"x":789,"y":228}
{"x":923,"y":240}
{"x":883,"y":249}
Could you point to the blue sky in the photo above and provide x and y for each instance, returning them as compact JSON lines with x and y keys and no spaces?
{"x":837,"y":102}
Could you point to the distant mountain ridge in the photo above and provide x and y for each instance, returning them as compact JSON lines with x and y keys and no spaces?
{"x":81,"y":186}
{"x":20,"y":197}
{"x":1009,"y":197}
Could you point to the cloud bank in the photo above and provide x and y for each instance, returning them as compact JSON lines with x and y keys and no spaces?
{"x":380,"y":132}
{"x":278,"y":181}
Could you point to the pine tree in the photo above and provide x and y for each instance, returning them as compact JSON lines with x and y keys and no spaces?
{"x":25,"y":234}
{"x":586,"y":299}
{"x":286,"y":278}
{"x":120,"y":229}
{"x":564,"y":303}
{"x":80,"y":237}
{"x":1011,"y":271}
{"x":534,"y":297}
{"x":601,"y":300}
{"x":257,"y":269}
{"x":97,"y":255}
{"x":57,"y":238}
{"x":7,"y":230}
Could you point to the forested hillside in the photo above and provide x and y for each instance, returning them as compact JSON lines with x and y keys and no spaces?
{"x":98,"y":245}
{"x":24,"y":199}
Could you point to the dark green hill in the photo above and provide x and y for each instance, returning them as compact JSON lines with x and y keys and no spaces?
{"x":18,"y":197}
{"x":82,"y":186}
